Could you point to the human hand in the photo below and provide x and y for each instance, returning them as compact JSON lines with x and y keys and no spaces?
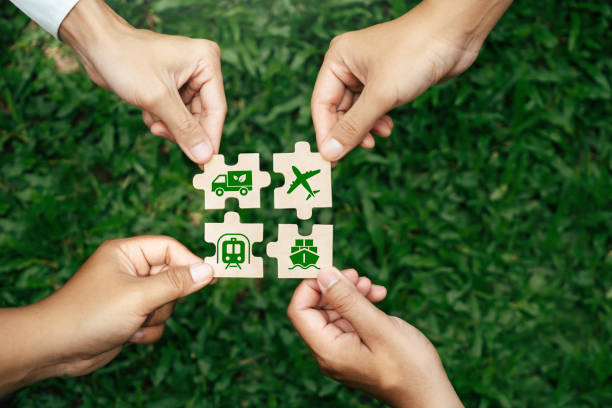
{"x":176,"y":80}
{"x":123,"y":294}
{"x":356,"y":343}
{"x":367,"y":73}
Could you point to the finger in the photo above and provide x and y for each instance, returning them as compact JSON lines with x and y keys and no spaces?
{"x":377,"y":293}
{"x":159,"y":129}
{"x":148,"y":335}
{"x":146,"y":251}
{"x":174,"y":282}
{"x":364,"y":285}
{"x":344,"y":325}
{"x":350,"y":274}
{"x":374,"y":293}
{"x":214,"y":109}
{"x":149,"y":118}
{"x":328,"y":94}
{"x":368,"y":142}
{"x":310,"y":322}
{"x":183,"y":127}
{"x":356,"y":123}
{"x":382,"y":127}
{"x":369,"y":322}
{"x":188,"y":91}
{"x":159,"y":316}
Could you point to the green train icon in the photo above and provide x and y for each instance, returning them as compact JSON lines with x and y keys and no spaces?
{"x":234,"y":250}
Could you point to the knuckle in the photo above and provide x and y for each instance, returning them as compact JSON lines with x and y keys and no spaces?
{"x":155,"y":97}
{"x":112,"y":245}
{"x":214,"y":47}
{"x":187,"y":127}
{"x":340,"y":40}
{"x":349,"y":129}
{"x":208,"y":49}
{"x":344,"y":302}
{"x":174,"y":280}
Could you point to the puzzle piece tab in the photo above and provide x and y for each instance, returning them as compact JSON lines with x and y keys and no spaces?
{"x":307,"y":180}
{"x":234,"y":248}
{"x":302,"y":256}
{"x":243,"y":181}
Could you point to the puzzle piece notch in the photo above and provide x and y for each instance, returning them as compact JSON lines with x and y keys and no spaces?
{"x":302,"y":256}
{"x":307,"y":181}
{"x":233,"y":242}
{"x":243,"y":181}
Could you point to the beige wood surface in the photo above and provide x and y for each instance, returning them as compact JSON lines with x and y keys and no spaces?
{"x":323,"y":239}
{"x":217,"y":167}
{"x":229,"y":234}
{"x":303,"y":200}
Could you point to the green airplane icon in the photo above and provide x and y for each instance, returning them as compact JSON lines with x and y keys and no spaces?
{"x":302,"y":179}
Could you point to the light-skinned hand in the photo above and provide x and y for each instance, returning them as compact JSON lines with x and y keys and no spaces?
{"x":356,"y":343}
{"x":368,"y":72}
{"x":176,"y":80}
{"x":123,"y":294}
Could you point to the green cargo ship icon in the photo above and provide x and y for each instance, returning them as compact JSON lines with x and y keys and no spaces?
{"x":304,"y":254}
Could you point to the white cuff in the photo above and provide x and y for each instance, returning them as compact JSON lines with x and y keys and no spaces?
{"x":49,"y":14}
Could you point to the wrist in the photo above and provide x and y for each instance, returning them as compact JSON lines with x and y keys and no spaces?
{"x":92,"y":27}
{"x":468,"y":22}
{"x":24,"y":347}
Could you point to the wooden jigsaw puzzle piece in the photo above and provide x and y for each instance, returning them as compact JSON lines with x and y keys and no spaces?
{"x":302,"y":256}
{"x":307,"y":181}
{"x":243,"y":181}
{"x":234,"y":248}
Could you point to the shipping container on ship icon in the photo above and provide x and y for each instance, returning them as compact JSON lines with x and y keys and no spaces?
{"x":235,"y":250}
{"x":304,"y":254}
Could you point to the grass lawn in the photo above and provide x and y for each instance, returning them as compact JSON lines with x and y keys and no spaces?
{"x":487,"y":214}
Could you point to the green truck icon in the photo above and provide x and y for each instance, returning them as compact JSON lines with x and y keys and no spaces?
{"x":241,"y":181}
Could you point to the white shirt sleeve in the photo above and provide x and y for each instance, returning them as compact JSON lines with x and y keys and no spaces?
{"x":49,"y":14}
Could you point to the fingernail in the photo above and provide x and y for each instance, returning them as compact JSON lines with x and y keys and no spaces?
{"x":137,"y":335}
{"x":327,"y":277}
{"x":200,"y":272}
{"x":332,"y":149}
{"x":201,"y":152}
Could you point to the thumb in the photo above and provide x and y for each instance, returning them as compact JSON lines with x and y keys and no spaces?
{"x":185,"y":129}
{"x":173,"y":282}
{"x":367,"y":320}
{"x":353,"y":127}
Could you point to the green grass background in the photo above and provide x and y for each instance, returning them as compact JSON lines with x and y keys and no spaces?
{"x":487,"y":214}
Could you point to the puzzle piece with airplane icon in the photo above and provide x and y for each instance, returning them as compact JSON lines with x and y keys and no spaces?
{"x":307,"y":180}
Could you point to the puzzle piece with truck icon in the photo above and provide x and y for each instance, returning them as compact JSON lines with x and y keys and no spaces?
{"x":234,"y":248}
{"x":307,"y":180}
{"x":243,"y":181}
{"x":302,"y":256}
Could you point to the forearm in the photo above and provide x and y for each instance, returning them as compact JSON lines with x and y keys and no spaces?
{"x":24,"y":348}
{"x":90,"y":28}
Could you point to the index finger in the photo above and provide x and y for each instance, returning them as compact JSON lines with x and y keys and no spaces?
{"x":214,"y":107}
{"x":326,"y":97}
